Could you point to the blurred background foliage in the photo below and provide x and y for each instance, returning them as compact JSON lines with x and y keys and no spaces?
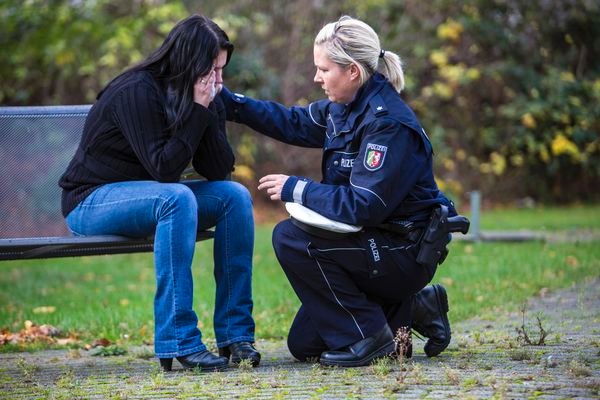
{"x":508,"y":90}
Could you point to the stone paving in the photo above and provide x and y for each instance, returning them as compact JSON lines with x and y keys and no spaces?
{"x":486,"y":359}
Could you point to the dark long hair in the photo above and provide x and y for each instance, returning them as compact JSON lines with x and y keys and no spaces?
{"x":186,"y":54}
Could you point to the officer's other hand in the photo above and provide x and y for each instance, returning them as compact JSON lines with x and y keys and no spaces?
{"x":273,"y":184}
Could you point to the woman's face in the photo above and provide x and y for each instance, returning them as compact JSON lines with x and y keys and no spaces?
{"x":340,"y":83}
{"x":218,"y":65}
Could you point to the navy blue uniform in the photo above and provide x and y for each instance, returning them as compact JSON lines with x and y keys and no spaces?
{"x":377,"y":168}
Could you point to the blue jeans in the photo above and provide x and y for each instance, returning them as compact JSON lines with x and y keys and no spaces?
{"x":173,"y":213}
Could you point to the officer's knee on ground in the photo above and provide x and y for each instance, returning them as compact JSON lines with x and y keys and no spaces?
{"x":300,"y":349}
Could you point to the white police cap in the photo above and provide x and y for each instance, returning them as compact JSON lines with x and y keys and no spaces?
{"x":310,"y":217}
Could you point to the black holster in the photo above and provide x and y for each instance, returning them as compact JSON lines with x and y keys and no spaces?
{"x":433,"y":250}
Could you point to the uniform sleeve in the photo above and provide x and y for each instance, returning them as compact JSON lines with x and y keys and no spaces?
{"x":388,"y":164}
{"x":140,"y":114}
{"x":214,"y":157}
{"x":299,"y":126}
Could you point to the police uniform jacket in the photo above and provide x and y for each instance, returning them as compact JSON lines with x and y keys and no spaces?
{"x":377,"y":159}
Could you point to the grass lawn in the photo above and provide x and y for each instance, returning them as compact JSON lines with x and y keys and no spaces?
{"x":541,"y":218}
{"x":111,"y":296}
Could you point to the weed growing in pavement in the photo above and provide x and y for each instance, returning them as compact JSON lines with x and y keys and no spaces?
{"x":418,"y":375}
{"x":67,"y":380}
{"x":349,"y":375}
{"x":579,"y":369}
{"x":549,"y":362}
{"x":470,"y":382}
{"x":27,"y":369}
{"x":74,"y":354}
{"x":157,"y":378}
{"x":593,"y":384}
{"x":316,"y":373}
{"x":524,"y":337}
{"x":382,"y":366}
{"x":245,"y":378}
{"x":452,"y":375}
{"x":284,"y":394}
{"x":520,"y":355}
{"x":245,"y":365}
{"x":403,"y":343}
{"x":558,"y":338}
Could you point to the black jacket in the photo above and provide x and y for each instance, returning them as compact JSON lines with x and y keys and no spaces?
{"x":125,"y":138}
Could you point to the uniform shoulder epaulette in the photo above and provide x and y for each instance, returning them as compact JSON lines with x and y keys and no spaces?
{"x":378,"y":106}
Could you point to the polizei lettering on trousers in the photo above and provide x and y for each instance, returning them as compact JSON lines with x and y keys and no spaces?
{"x":374,"y":249}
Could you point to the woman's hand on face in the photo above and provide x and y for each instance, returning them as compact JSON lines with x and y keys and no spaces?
{"x":273,"y":184}
{"x":205,"y":89}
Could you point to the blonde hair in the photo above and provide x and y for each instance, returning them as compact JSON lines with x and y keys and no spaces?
{"x":351,"y":41}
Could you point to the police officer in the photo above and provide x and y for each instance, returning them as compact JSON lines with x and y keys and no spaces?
{"x":357,"y":290}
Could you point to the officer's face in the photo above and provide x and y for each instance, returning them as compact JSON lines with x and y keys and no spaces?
{"x":340,"y":83}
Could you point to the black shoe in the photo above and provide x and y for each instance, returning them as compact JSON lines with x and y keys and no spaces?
{"x":241,"y":351}
{"x":362,"y":352}
{"x":430,"y":318}
{"x":205,"y":361}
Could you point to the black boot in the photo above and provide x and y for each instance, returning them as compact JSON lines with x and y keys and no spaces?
{"x":362,"y":352}
{"x":241,"y":351}
{"x":430,"y":318}
{"x":205,"y":361}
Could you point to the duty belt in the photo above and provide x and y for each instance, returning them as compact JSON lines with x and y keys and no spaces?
{"x":411,"y":232}
{"x":322,"y":233}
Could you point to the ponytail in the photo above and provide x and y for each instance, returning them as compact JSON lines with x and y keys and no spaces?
{"x":390,"y":66}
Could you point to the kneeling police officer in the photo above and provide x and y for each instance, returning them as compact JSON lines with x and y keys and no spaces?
{"x":364,"y":278}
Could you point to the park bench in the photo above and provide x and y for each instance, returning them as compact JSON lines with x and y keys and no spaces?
{"x":36,"y":145}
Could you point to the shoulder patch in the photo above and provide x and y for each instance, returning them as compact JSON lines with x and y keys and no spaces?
{"x":374,"y":156}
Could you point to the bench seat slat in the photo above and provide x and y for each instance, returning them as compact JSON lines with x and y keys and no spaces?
{"x":67,"y":246}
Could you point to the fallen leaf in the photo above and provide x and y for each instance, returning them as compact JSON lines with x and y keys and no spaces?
{"x":30,"y":333}
{"x":65,"y":341}
{"x":572,"y":261}
{"x":104,"y":342}
{"x":447,"y":281}
{"x":44,"y":310}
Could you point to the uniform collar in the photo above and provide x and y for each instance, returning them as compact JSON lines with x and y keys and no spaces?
{"x":344,"y":115}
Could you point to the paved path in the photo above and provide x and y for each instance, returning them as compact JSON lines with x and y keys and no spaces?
{"x":484,"y":360}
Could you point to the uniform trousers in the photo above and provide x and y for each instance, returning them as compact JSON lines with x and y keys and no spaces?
{"x":349,"y":287}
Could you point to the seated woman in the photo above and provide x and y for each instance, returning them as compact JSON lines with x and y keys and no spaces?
{"x":357,"y":289}
{"x":145,"y":128}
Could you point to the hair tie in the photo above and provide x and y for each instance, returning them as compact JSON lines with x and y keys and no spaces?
{"x":381,"y":53}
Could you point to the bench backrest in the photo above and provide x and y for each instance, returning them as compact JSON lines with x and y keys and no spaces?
{"x":36,"y":145}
